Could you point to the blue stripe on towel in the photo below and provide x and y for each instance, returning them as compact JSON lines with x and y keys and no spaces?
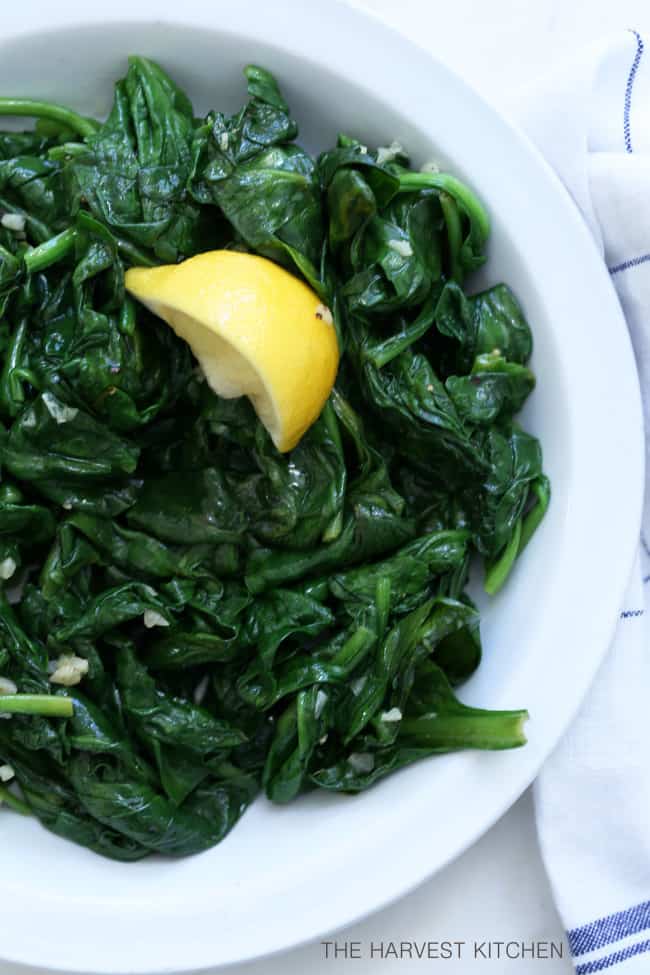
{"x":614,"y":959}
{"x":634,"y":262}
{"x":629,"y":613}
{"x":628,"y":92}
{"x":607,"y":930}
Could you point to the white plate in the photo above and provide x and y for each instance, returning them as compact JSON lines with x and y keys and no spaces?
{"x":286,"y":875}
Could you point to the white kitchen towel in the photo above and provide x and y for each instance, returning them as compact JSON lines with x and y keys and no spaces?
{"x":592,"y":797}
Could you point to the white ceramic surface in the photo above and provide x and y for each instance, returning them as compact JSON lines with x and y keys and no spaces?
{"x":287,"y":875}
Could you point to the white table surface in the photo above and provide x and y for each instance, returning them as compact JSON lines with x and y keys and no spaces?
{"x":496,"y":891}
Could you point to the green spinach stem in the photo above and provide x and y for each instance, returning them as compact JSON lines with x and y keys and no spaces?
{"x":353,"y":651}
{"x":46,"y":705}
{"x":454,"y":235}
{"x":51,"y":252}
{"x":485,"y":730}
{"x":381,"y":353}
{"x":542,"y":490}
{"x":14,"y":802}
{"x":133,"y":254}
{"x":524,"y":530}
{"x":67,"y":150}
{"x":455,"y":188}
{"x":498,"y":572}
{"x":30,"y":108}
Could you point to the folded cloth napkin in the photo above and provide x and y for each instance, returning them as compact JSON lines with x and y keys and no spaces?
{"x":592,"y":798}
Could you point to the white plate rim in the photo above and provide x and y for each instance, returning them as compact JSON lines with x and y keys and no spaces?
{"x":620,"y":539}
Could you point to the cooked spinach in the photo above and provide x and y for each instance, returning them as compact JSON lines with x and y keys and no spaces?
{"x":191,"y":617}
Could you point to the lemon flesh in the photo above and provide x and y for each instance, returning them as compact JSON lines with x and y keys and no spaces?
{"x":254,"y":328}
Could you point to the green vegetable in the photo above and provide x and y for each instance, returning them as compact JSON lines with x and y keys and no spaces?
{"x":64,"y":117}
{"x":50,"y":707}
{"x":243,"y":620}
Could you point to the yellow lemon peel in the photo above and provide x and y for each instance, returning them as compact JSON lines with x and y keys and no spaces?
{"x":256,"y":331}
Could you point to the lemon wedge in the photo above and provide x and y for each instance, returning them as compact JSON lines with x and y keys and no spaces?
{"x":254,"y":328}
